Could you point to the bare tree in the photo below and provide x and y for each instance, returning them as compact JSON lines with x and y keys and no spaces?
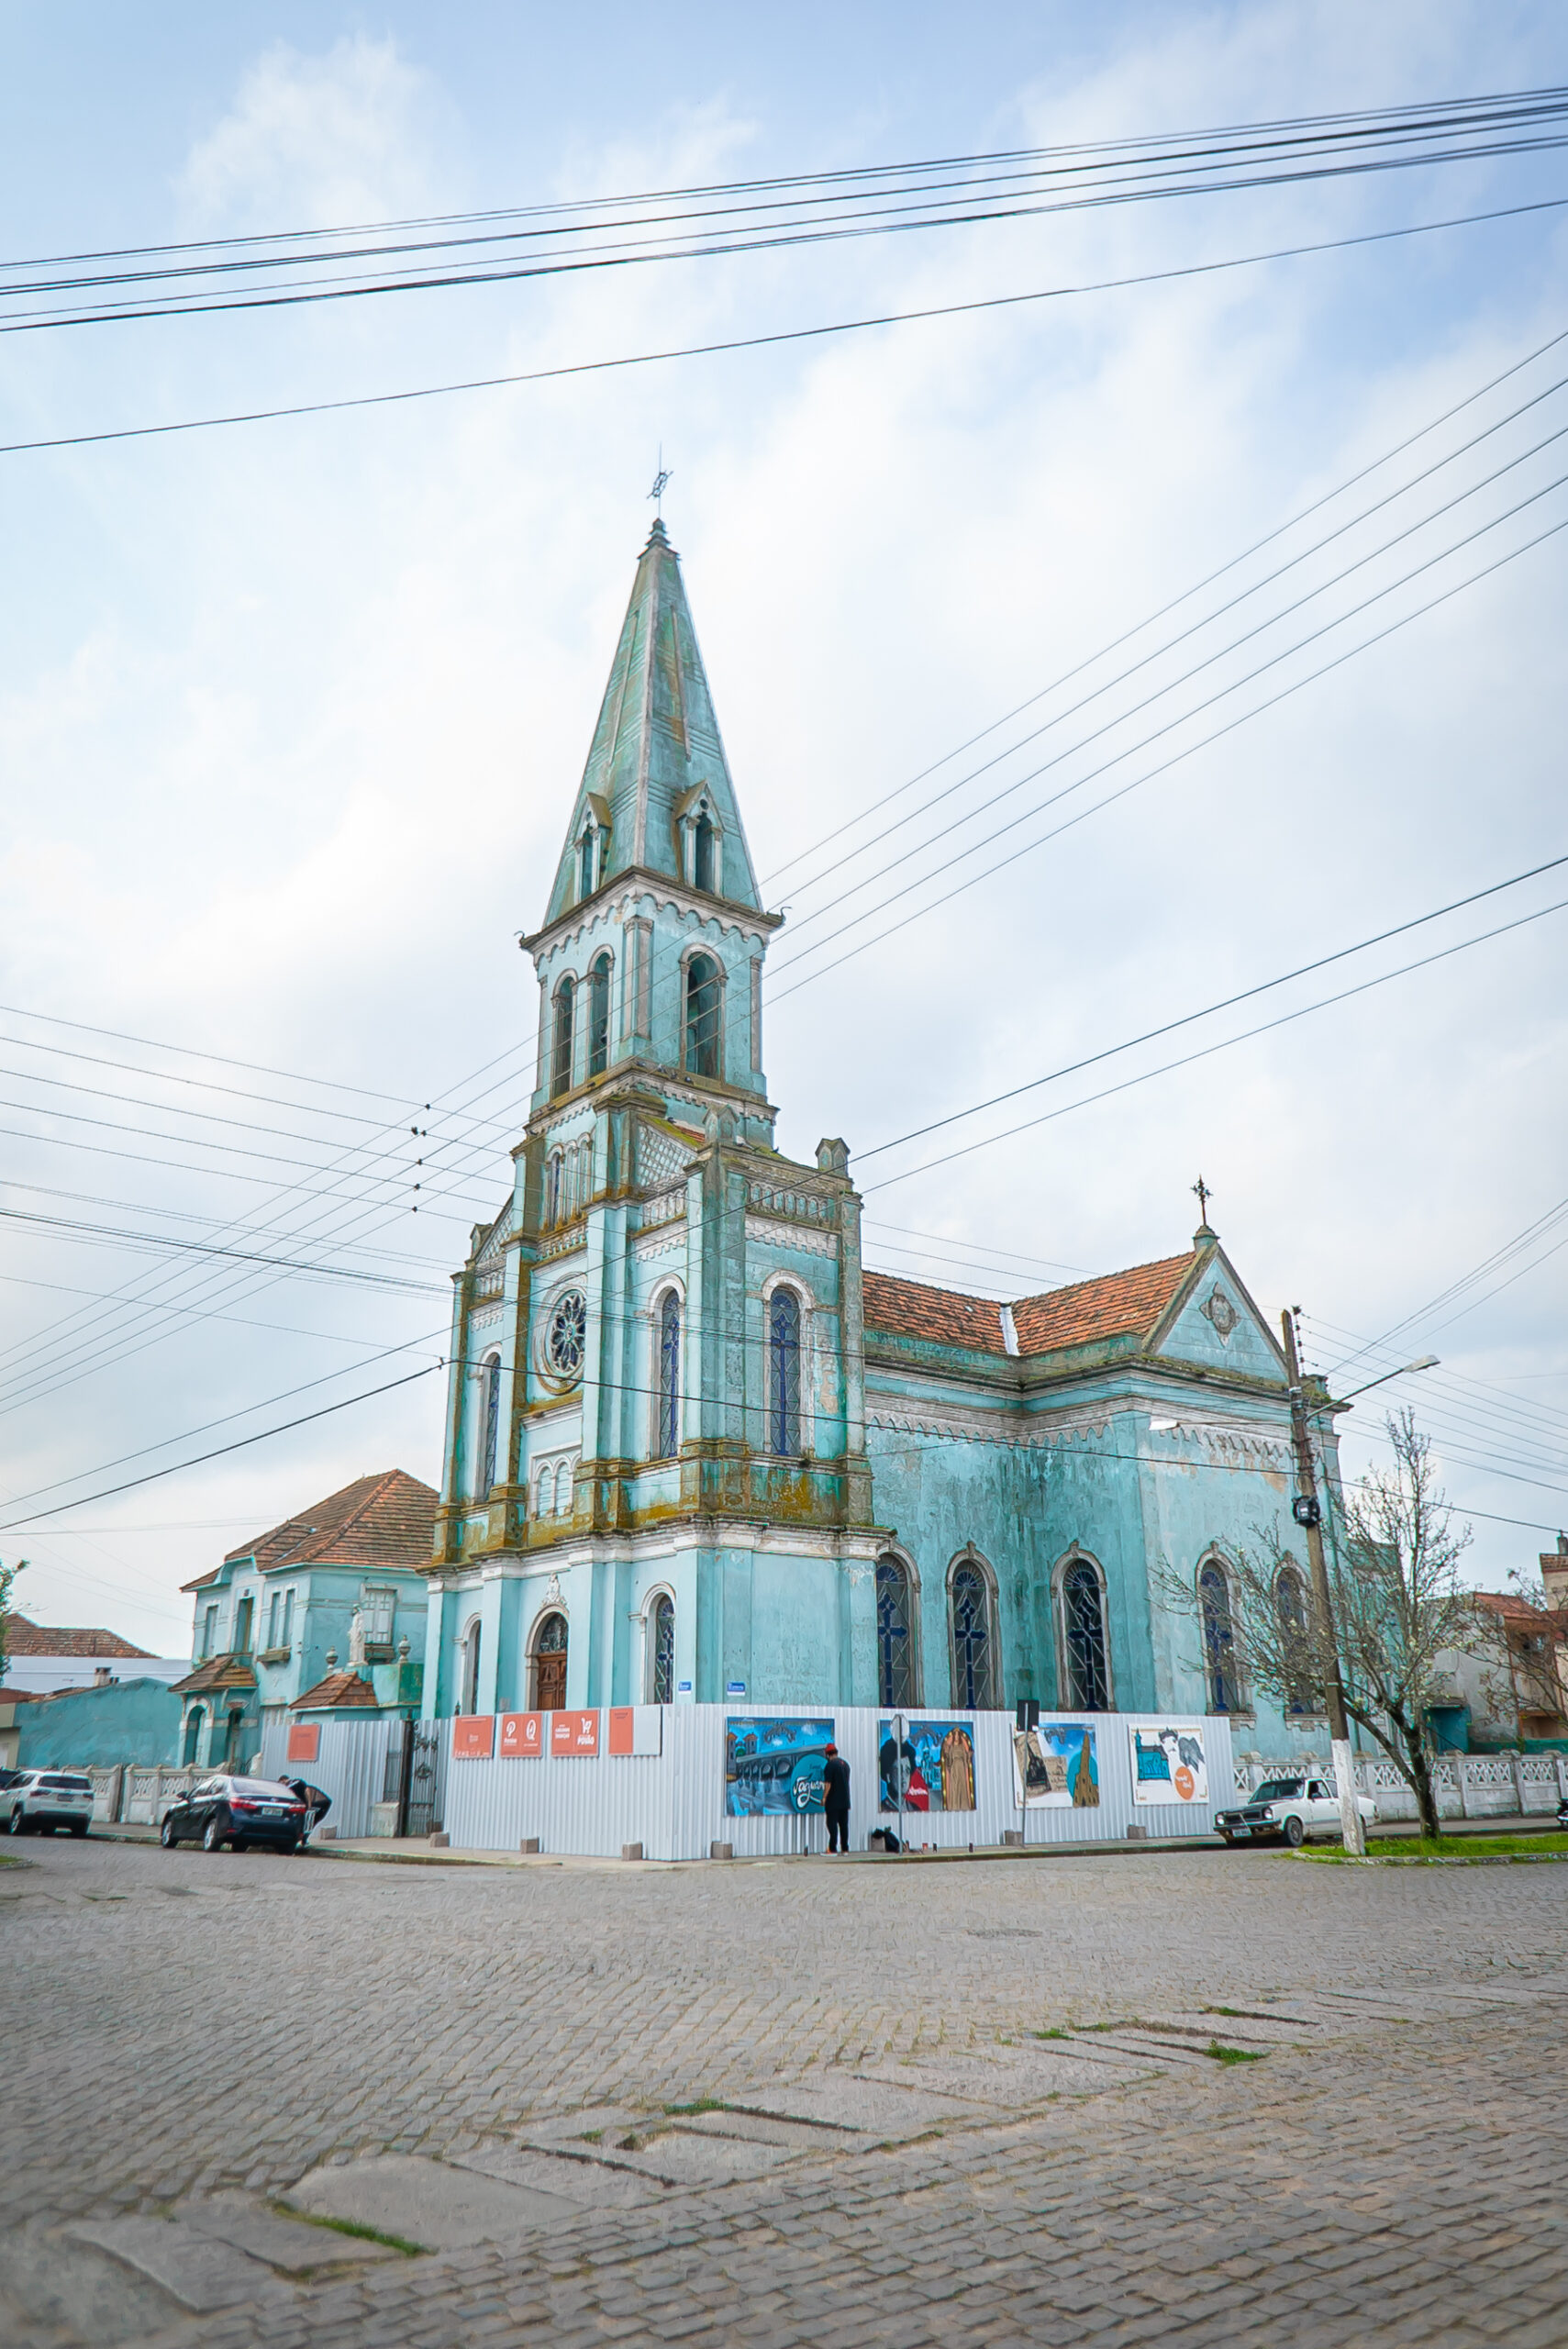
{"x":1393,"y":1553}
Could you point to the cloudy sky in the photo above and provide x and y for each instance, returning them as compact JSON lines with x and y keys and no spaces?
{"x":291,"y":714}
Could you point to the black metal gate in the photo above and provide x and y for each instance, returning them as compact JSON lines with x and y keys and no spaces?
{"x":419,"y":1789}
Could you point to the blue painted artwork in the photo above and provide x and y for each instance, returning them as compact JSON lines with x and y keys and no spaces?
{"x":1054,"y":1767}
{"x":774,"y":1767}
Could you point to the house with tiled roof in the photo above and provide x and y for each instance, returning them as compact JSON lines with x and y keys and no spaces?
{"x":342,"y":1580}
{"x":695,"y":1448}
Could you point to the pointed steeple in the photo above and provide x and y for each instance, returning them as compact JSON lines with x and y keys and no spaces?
{"x":656,"y":793}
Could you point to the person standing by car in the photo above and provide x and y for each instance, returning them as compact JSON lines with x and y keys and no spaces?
{"x":836,"y":1800}
{"x":316,"y":1806}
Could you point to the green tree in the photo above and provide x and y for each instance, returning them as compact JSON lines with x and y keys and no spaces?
{"x":8,"y":1584}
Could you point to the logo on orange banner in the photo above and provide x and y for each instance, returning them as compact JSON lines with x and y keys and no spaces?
{"x":623,"y":1730}
{"x":473,"y":1737}
{"x":574,"y":1733}
{"x":304,"y":1742}
{"x":522,"y":1735}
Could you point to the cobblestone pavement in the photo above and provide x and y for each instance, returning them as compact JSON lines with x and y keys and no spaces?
{"x":193,"y":2035}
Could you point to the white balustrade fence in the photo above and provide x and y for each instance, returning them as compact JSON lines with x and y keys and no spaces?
{"x":1468,"y":1786}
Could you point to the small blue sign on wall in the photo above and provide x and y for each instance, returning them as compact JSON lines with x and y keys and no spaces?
{"x":735,"y":1688}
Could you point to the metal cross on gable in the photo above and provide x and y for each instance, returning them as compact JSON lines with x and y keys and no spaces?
{"x":1203,"y":1195}
{"x":661,"y":481}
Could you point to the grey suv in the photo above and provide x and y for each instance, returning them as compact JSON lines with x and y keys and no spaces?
{"x":41,"y":1801}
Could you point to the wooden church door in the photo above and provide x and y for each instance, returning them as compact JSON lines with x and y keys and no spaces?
{"x":549,"y":1667}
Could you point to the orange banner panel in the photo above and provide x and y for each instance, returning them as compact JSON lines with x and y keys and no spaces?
{"x":622,"y":1729}
{"x":522,"y":1736}
{"x":473,"y":1737}
{"x":304,"y":1742}
{"x":574,"y":1733}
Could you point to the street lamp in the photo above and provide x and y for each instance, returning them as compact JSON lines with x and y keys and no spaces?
{"x":1427,"y":1362}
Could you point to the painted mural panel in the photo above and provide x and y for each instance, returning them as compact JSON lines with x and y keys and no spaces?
{"x":773,"y":1766}
{"x":1169,"y":1765}
{"x":934,"y":1771}
{"x":1055,"y":1767}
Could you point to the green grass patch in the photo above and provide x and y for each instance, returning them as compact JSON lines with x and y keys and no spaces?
{"x":1050,"y":2034}
{"x":701,"y":2104}
{"x":1551,"y":1846}
{"x":1223,"y":2055}
{"x":592,"y":2136}
{"x":355,"y":2226}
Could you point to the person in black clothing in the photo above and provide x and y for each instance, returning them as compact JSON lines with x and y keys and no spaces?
{"x":836,"y":1800}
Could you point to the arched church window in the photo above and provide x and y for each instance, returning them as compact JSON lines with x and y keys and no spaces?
{"x":1083,"y":1639}
{"x":1221,"y":1673}
{"x":1290,"y":1613}
{"x":561,"y":1047}
{"x":588,"y":856}
{"x":492,"y":1404}
{"x":894,"y":1647}
{"x":973,"y":1644}
{"x":669,"y":1429}
{"x":553,"y":1176}
{"x":784,"y":1372}
{"x":563,"y":1489}
{"x":703,"y":858}
{"x":549,"y":1665}
{"x":599,"y":1016}
{"x":662,"y":1631}
{"x":705,"y":999}
{"x":471,"y":1639}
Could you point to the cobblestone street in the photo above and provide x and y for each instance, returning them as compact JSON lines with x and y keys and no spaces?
{"x":922,"y":2103}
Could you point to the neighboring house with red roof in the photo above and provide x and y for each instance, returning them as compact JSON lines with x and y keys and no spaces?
{"x":342,"y":1580}
{"x":43,"y":1658}
{"x":696,"y":1449}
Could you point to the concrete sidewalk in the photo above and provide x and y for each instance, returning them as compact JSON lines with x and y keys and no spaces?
{"x":417,"y":1851}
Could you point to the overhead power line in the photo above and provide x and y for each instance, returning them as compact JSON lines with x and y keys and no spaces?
{"x":787,"y":334}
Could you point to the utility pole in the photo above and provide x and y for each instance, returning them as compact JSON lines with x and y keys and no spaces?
{"x":1308,"y":1514}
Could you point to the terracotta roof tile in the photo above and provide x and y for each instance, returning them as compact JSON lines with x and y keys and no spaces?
{"x":339,"y":1689}
{"x":383,"y":1520}
{"x":217,"y":1672}
{"x":1111,"y":1307}
{"x":913,"y":1309}
{"x":23,"y":1638}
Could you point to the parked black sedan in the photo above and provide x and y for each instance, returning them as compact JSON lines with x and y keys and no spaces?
{"x":236,"y":1811}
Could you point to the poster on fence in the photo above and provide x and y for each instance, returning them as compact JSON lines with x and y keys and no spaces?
{"x":1168,"y":1765}
{"x":1055,"y":1767}
{"x":931,"y":1769}
{"x":772,"y":1767}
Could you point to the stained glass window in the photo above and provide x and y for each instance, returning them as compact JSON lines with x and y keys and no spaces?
{"x":567,"y":1335}
{"x":669,"y":1377}
{"x":663,"y":1649}
{"x":783,"y":1363}
{"x":1084,"y":1627}
{"x":896,"y":1673}
{"x":970,"y":1640}
{"x":492,"y":1422}
{"x":561,"y":1050}
{"x":1290,"y":1609}
{"x":1219,"y":1641}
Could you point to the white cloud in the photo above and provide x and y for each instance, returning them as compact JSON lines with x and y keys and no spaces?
{"x":313,"y":141}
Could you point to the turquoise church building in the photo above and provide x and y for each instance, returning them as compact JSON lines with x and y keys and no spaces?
{"x":695,"y":1450}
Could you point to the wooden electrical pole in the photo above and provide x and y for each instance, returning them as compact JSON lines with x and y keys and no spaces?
{"x":1308,"y":1512}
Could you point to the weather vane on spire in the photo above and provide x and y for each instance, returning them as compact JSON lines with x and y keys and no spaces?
{"x":1203,"y":1195}
{"x":660,"y":481}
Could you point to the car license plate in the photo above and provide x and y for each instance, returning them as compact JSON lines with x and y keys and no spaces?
{"x":1241,"y":1833}
{"x":272,"y":1811}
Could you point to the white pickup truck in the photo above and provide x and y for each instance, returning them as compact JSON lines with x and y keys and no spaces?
{"x":1290,"y":1809}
